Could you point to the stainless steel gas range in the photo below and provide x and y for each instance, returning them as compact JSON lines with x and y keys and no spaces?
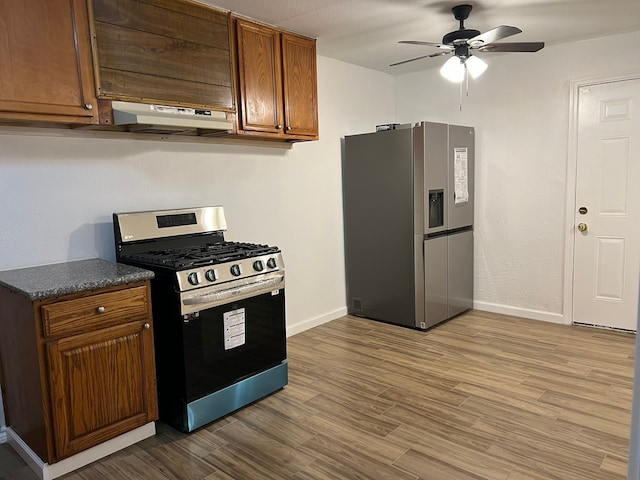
{"x":218,"y":307}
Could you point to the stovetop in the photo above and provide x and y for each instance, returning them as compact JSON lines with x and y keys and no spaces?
{"x":201,"y":255}
{"x":193,"y":262}
{"x":189,"y":245}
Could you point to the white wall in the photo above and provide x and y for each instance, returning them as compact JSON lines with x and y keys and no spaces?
{"x":57,"y":194}
{"x":520,"y":108}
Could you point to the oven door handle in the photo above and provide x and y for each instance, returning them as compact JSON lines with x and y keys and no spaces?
{"x":256,"y":287}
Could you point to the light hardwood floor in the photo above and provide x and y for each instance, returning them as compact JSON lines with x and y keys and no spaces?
{"x":482,"y":396}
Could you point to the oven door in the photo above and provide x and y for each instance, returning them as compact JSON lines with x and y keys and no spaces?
{"x":230,"y":342}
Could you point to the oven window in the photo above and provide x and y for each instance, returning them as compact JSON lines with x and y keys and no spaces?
{"x":231,"y":342}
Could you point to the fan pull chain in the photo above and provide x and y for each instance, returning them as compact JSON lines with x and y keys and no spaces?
{"x":466,"y":87}
{"x":466,"y":79}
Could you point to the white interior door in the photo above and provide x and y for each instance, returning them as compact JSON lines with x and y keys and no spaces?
{"x":607,"y":217}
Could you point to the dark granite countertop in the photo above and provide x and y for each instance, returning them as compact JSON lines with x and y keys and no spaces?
{"x":49,"y":281}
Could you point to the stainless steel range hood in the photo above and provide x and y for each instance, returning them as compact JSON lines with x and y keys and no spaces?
{"x":147,"y":118}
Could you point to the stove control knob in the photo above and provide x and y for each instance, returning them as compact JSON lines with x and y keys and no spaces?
{"x":258,"y":266}
{"x":193,"y":278}
{"x":235,"y":270}
{"x":210,"y":275}
{"x":271,"y":263}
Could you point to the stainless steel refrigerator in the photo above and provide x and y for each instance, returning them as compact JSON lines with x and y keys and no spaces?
{"x":408,"y":219}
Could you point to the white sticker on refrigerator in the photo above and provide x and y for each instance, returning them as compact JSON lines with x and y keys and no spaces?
{"x":461,"y":174}
{"x":234,"y":334}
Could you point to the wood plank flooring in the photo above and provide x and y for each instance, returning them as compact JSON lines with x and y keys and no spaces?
{"x":482,"y":396}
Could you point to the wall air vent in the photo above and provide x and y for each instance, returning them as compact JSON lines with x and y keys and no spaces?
{"x":357,"y":304}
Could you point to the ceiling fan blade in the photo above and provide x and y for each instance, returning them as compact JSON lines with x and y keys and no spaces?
{"x":419,"y":58}
{"x":498,"y":33}
{"x":429,"y":44}
{"x":512,"y":47}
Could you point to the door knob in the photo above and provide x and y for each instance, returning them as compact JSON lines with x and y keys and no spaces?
{"x":582,"y":227}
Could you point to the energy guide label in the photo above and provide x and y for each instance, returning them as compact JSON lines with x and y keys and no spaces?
{"x":234,"y":333}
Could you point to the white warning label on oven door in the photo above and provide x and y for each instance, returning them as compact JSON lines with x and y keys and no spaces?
{"x":234,"y":334}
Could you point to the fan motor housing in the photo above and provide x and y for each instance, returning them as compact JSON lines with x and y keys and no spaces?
{"x":459,"y":36}
{"x":462,"y":51}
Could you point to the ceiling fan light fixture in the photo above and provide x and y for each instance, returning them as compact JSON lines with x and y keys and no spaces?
{"x":476,"y":66}
{"x":453,"y":70}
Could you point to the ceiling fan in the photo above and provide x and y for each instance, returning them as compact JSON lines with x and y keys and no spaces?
{"x":461,"y":42}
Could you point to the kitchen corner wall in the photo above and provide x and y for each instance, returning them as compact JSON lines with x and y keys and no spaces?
{"x":520,"y":109}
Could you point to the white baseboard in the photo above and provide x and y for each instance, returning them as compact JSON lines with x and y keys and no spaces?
{"x":484,"y":306}
{"x":314,"y":322}
{"x":44,"y":471}
{"x":520,"y":312}
{"x":3,"y":432}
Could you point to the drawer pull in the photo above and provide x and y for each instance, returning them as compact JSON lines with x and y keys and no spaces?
{"x":101,"y":309}
{"x":146,"y":326}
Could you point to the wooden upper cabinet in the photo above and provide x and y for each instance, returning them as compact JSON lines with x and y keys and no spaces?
{"x":277,"y":78}
{"x":300,"y":85}
{"x":260,"y":78}
{"x":46,"y":71}
{"x":64,"y":61}
{"x":169,"y":52}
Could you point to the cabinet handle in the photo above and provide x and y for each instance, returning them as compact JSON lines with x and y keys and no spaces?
{"x":88,"y":106}
{"x":101,"y":309}
{"x":146,"y":326}
{"x":278,"y":126}
{"x":288,"y":128}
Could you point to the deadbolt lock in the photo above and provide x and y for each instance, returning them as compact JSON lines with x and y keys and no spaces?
{"x":582,"y":227}
{"x":583,"y":210}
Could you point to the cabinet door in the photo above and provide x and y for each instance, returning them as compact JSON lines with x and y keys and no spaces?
{"x":163,"y":51}
{"x":102,"y":385}
{"x":300,"y":89}
{"x":45,"y":60}
{"x":260,"y":78}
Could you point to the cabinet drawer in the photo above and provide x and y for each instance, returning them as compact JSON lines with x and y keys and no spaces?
{"x":94,"y":311}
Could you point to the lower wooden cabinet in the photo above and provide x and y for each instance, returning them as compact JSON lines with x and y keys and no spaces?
{"x":100,"y":385}
{"x":97,"y":371}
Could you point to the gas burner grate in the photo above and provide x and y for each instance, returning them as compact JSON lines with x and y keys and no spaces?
{"x":198,"y":255}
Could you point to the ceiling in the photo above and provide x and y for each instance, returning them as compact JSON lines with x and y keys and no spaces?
{"x":366,"y":32}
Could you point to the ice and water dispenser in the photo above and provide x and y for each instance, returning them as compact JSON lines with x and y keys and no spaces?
{"x":436,"y":208}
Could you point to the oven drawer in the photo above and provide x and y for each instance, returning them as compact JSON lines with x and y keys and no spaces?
{"x":87,"y":313}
